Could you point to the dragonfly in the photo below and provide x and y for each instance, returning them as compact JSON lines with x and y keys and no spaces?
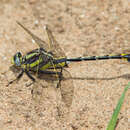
{"x":50,"y":59}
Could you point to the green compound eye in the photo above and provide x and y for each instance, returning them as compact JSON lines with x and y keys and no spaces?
{"x":17,"y":59}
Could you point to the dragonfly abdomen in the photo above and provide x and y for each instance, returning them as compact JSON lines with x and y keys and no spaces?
{"x":89,"y":58}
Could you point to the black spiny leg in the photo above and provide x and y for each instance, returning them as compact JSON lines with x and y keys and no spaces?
{"x":30,"y":76}
{"x":60,"y":78}
{"x":18,"y":77}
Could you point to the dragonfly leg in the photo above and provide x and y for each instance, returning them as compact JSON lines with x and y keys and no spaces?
{"x":60,"y":78}
{"x":18,"y":77}
{"x":31,"y":77}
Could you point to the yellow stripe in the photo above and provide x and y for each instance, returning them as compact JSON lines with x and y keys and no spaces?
{"x":124,"y":55}
{"x":45,"y":66}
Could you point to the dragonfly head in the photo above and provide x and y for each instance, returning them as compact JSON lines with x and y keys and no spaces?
{"x":17,"y":59}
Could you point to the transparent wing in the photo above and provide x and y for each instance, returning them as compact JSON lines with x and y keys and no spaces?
{"x":49,"y":82}
{"x":66,"y":84}
{"x":44,"y":88}
{"x":67,"y":88}
{"x":54,"y":46}
{"x":40,"y":43}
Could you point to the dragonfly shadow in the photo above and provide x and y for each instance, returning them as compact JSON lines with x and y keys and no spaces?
{"x":124,"y":76}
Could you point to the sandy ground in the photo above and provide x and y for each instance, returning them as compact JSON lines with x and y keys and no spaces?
{"x":82,"y":27}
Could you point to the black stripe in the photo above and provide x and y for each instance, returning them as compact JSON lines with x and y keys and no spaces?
{"x":31,"y":59}
{"x":94,"y":58}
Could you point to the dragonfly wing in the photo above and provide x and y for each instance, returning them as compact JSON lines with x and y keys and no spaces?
{"x":67,"y":88}
{"x":49,"y":82}
{"x":44,"y":86}
{"x":40,"y":43}
{"x":37,"y":92}
{"x":54,"y":46}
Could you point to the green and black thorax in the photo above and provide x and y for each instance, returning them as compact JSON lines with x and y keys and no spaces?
{"x":37,"y":59}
